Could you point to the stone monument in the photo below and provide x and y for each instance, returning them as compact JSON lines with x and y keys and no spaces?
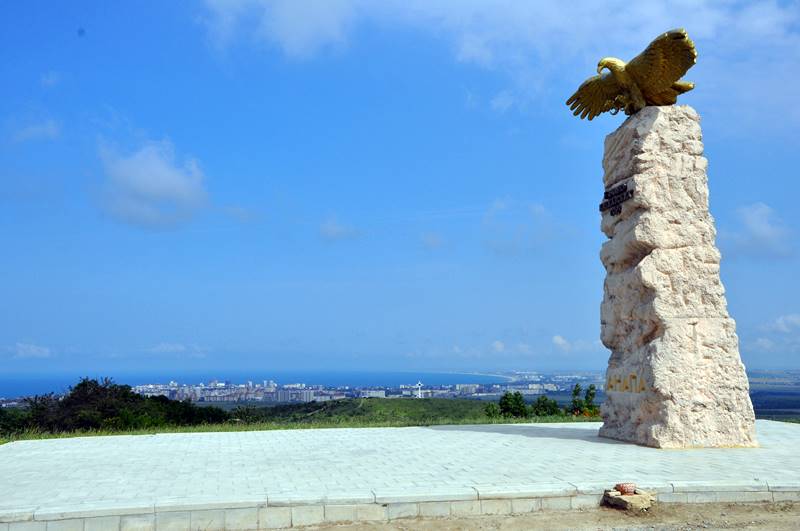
{"x":675,"y":378}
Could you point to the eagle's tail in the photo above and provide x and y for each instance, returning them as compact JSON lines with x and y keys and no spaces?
{"x":682,"y":86}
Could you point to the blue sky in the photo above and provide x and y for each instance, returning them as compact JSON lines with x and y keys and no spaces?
{"x":382,"y":185}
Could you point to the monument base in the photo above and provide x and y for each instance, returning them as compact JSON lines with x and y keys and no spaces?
{"x":675,"y":378}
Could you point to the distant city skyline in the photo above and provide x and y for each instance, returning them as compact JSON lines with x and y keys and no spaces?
{"x":348,"y":185}
{"x":269,"y":391}
{"x":31,"y":384}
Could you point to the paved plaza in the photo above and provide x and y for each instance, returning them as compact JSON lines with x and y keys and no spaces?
{"x":90,"y":478}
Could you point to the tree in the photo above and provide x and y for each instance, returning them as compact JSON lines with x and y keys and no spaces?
{"x":577,"y":406}
{"x":12,"y":420}
{"x":545,"y":407}
{"x":103,"y":404}
{"x":589,"y":406}
{"x":513,"y":405}
{"x":491,"y":410}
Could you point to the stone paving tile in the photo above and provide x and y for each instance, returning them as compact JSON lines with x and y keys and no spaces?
{"x":352,"y":465}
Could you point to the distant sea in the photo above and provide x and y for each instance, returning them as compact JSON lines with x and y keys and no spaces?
{"x":29,"y":384}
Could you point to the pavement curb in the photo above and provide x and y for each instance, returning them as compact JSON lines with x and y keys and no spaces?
{"x":382,"y":505}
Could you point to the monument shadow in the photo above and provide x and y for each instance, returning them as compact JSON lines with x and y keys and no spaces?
{"x":541,"y":431}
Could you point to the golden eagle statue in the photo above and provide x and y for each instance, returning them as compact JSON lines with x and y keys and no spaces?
{"x":650,"y":78}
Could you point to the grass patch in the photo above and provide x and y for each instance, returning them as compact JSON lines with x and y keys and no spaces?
{"x":103,"y":408}
{"x":314,"y":424}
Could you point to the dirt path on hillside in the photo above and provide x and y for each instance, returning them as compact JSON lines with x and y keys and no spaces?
{"x":775,"y":517}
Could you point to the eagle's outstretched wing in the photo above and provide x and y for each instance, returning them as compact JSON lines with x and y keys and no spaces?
{"x":596,"y":95}
{"x":663,"y":62}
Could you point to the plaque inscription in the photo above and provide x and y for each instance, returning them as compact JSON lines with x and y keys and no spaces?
{"x":614,"y":197}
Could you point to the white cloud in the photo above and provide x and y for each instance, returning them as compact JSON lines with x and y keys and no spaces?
{"x":28,"y":351}
{"x":577,"y":345}
{"x":168,"y":348}
{"x":780,"y":336}
{"x":44,"y":130}
{"x":524,"y":348}
{"x":512,"y":227}
{"x":760,"y":233}
{"x":178,"y":349}
{"x":781,"y":344}
{"x":493,"y":350}
{"x":546,"y":44}
{"x":764,"y":344}
{"x":300,"y":29}
{"x":562,"y":343}
{"x":148,"y":188}
{"x":502,"y":102}
{"x":785,"y":323}
{"x":332,"y":230}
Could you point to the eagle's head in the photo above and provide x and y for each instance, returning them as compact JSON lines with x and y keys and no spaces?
{"x":612,"y":63}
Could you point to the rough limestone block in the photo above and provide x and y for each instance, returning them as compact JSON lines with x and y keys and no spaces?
{"x":526,"y":505}
{"x":210,"y":519}
{"x":404,"y":510}
{"x":308,"y":515}
{"x":139,"y":522}
{"x":173,"y":520}
{"x":340,"y":513}
{"x":434,"y":509}
{"x":243,"y":519}
{"x":465,"y":508}
{"x":675,"y":378}
{"x":275,"y":517}
{"x":73,"y":524}
{"x":641,"y":501}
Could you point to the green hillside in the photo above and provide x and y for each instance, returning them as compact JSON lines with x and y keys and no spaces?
{"x":368,"y":410}
{"x":104,"y":408}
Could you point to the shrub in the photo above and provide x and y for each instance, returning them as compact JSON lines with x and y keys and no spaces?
{"x":513,"y":405}
{"x":491,"y":410}
{"x":583,"y":406}
{"x":12,"y":420}
{"x":95,"y":405}
{"x":545,"y":407}
{"x":589,"y":407}
{"x":577,"y":405}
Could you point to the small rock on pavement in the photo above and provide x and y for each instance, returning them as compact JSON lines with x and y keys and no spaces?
{"x":640,"y":501}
